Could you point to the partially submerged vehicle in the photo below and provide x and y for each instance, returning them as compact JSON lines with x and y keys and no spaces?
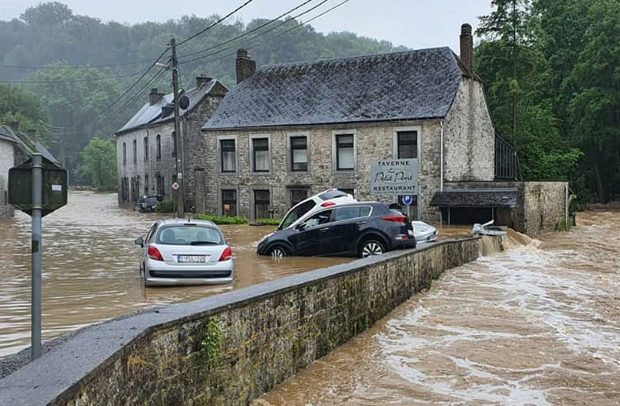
{"x":488,"y":229}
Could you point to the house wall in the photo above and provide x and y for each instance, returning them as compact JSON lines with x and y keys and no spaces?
{"x":374,"y":141}
{"x":7,"y":161}
{"x":130,"y":170}
{"x":469,"y":136}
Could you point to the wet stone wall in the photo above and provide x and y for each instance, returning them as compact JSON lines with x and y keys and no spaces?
{"x":230,"y":348}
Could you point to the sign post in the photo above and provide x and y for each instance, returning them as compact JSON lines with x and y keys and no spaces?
{"x":37,"y":187}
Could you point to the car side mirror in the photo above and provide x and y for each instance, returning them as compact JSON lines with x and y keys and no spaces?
{"x":139,"y":241}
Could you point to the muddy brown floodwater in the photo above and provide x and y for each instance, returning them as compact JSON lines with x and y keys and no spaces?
{"x":90,"y":268}
{"x":538,"y":324}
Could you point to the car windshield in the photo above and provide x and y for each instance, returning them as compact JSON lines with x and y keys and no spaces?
{"x":189,"y":234}
{"x":295,"y":213}
{"x":332,"y":194}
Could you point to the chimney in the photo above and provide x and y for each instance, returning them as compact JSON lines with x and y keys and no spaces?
{"x":202,"y":79}
{"x":244,"y":65}
{"x":155,"y":96}
{"x":32,"y":134}
{"x":467,"y":47}
{"x":14,"y":125}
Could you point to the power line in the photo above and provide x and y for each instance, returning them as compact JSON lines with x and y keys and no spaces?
{"x":247,"y":32}
{"x":269,"y":30}
{"x":214,"y":24}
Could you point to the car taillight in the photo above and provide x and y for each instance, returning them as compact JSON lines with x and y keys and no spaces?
{"x":395,"y":218}
{"x":328,"y":204}
{"x":154,"y":253}
{"x":226,"y":255}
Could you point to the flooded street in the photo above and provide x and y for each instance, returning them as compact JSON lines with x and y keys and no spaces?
{"x":538,"y":324}
{"x":90,"y":268}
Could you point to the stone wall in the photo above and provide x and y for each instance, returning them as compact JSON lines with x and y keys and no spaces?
{"x":7,"y":161}
{"x":230,"y":348}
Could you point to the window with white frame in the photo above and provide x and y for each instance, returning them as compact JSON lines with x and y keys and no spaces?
{"x":407,"y":144}
{"x":299,"y":153}
{"x":228,"y":155}
{"x":345,"y":153}
{"x":260,"y":151}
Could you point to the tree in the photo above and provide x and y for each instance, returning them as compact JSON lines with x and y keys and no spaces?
{"x":99,"y":163}
{"x":23,"y":108}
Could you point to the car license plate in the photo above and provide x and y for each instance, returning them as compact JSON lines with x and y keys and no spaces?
{"x":191,"y":259}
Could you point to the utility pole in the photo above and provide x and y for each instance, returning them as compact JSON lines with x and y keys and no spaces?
{"x":177,"y":131}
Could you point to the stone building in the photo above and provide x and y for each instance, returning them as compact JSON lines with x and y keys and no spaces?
{"x":146,"y":151}
{"x":7,"y":161}
{"x":288,"y":131}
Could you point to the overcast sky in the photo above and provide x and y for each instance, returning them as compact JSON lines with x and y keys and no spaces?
{"x":413,"y":23}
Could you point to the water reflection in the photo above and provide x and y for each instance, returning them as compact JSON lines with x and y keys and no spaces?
{"x":538,"y":324}
{"x":90,"y":268}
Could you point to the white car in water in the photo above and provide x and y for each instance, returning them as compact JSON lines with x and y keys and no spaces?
{"x":424,"y":232}
{"x":185,"y":252}
{"x":305,"y":208}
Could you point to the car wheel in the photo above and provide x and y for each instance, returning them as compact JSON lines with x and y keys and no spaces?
{"x":371,"y":247}
{"x":279,"y":252}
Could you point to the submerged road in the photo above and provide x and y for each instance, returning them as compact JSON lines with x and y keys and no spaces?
{"x":538,"y":324}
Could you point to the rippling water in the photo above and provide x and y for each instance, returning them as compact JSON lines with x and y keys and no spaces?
{"x":90,"y":268}
{"x":537,"y":324}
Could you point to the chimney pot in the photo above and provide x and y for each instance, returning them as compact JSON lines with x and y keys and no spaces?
{"x":202,"y":79}
{"x":467,"y":47}
{"x":245,"y":66}
{"x":155,"y":96}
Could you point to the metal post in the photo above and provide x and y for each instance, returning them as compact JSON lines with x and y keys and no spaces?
{"x":37,"y":206}
{"x":177,"y":131}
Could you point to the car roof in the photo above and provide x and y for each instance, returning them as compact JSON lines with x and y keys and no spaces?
{"x":168,"y":222}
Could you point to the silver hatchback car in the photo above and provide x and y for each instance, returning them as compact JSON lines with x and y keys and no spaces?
{"x":185,"y":252}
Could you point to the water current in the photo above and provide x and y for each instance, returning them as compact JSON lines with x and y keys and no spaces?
{"x":537,"y":324}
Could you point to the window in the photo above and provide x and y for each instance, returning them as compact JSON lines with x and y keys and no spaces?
{"x":296,"y":213}
{"x":297,"y":195}
{"x":124,"y":153}
{"x":299,"y":153}
{"x":146,"y":148}
{"x":261,"y":204}
{"x":260,"y":148}
{"x":345,"y":158}
{"x":319,"y":219}
{"x":135,"y":151}
{"x":228,"y":155}
{"x":407,"y":144}
{"x":174,"y":144}
{"x":346,"y":213}
{"x":160,"y":184}
{"x":229,"y":202}
{"x":146,"y":184}
{"x":158,"y":138}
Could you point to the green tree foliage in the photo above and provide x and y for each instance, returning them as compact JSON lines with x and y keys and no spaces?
{"x":99,"y":163}
{"x":23,"y":108}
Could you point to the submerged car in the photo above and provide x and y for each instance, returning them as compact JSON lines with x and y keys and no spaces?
{"x":305,"y":208}
{"x":147,"y":203}
{"x":424,"y":232}
{"x":185,"y":252}
{"x":359,"y":229}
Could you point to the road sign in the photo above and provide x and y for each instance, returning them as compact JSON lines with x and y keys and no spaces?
{"x":175,"y":185}
{"x":394,"y":177}
{"x":407,"y":200}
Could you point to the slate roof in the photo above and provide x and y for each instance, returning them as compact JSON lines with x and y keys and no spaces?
{"x":5,"y":135}
{"x":476,"y":198}
{"x":152,"y":114}
{"x":26,"y":144}
{"x":403,"y":85}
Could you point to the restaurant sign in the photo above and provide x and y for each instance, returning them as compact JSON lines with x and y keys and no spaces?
{"x":394,"y":177}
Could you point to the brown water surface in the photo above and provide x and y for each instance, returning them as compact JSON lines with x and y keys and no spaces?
{"x":537,"y":324}
{"x":90,"y":268}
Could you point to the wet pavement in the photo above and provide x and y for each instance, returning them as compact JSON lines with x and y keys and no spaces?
{"x":538,"y":324}
{"x":90,"y":268}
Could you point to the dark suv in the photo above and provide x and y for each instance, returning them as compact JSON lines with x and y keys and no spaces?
{"x":147,"y":203}
{"x":361,"y":229}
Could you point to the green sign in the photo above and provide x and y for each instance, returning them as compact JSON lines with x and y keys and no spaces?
{"x":54,"y":187}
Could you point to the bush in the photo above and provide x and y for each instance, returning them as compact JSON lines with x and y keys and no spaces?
{"x":165,"y":206}
{"x":268,"y":222}
{"x":222,"y":219}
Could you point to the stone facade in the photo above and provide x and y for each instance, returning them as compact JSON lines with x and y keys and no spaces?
{"x":7,"y":161}
{"x":468,"y":155}
{"x":231,"y":348}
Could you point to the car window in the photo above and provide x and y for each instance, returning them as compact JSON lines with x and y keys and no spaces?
{"x":151,"y":232}
{"x":189,"y":235}
{"x":319,"y":219}
{"x":332,"y":194}
{"x":296,"y":213}
{"x":345,"y":213}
